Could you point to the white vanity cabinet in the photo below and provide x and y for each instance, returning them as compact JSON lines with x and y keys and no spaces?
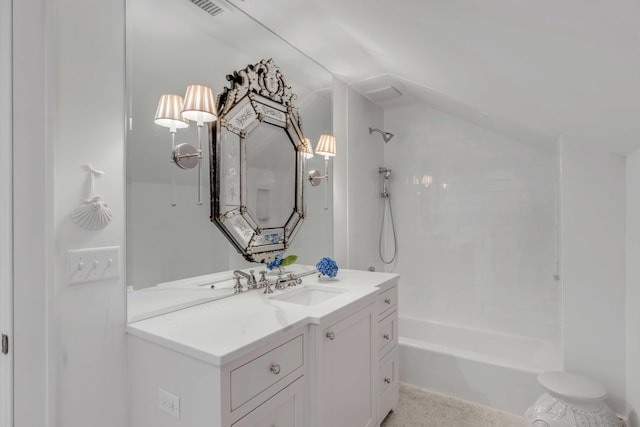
{"x":357,"y":369}
{"x":388,"y":371}
{"x":345,"y":371}
{"x":263,"y":388}
{"x":253,"y":360}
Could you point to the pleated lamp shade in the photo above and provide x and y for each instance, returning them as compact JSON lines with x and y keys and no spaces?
{"x":198,"y":104}
{"x":326,"y":146}
{"x":168,"y":113}
{"x":307,"y":151}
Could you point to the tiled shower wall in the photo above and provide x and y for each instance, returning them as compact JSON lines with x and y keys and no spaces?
{"x":477,"y":216}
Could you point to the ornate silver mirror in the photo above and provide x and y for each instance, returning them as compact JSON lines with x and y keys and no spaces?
{"x":257,"y":163}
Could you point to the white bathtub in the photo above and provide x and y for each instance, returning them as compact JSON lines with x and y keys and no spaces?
{"x":491,"y":369}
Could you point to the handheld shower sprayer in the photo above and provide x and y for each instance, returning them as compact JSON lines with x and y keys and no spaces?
{"x":386,"y":136}
{"x":386,"y":172}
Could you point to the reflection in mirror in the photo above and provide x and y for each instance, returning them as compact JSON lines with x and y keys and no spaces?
{"x":271,"y":180}
{"x":172,"y":44}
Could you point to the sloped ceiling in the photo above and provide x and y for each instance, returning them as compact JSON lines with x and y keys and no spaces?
{"x":569,"y":68}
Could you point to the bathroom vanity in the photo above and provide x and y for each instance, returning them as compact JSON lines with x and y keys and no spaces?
{"x":323,"y":353}
{"x":200,"y":354}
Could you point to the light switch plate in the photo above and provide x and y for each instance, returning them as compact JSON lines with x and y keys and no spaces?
{"x":94,"y":264}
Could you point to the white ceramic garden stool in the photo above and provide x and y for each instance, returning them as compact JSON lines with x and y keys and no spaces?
{"x":570,"y":401}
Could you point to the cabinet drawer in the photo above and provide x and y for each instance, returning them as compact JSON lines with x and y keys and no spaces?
{"x":388,"y":402}
{"x":387,"y":334}
{"x":387,"y":300}
{"x":262,"y":372}
{"x":389,"y":373}
{"x":285,"y":409}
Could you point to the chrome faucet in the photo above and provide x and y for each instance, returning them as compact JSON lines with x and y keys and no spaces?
{"x":238,"y":286}
{"x":279,"y":283}
{"x":290,"y":280}
{"x":251,"y":279}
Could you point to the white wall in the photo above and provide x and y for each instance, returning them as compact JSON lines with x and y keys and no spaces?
{"x":483,"y":232}
{"x":33,"y":243}
{"x":593,"y":266}
{"x":6,"y":210}
{"x":356,"y":187}
{"x":88,"y":117}
{"x":366,"y":155}
{"x":633,"y":289}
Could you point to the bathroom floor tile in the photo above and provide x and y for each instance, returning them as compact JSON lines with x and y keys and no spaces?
{"x":422,"y":408}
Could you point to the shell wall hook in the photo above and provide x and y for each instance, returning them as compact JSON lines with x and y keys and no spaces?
{"x":93,"y":214}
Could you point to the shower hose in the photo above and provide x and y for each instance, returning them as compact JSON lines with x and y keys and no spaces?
{"x":386,"y":200}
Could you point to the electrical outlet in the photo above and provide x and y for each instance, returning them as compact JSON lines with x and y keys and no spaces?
{"x":90,"y":265}
{"x":169,"y":403}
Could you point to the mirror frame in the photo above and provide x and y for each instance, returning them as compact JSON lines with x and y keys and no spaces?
{"x":258,"y":94}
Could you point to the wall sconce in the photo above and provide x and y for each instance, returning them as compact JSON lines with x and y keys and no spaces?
{"x":307,"y":151}
{"x":327,"y":147}
{"x":198,"y":106}
{"x":168,"y":114}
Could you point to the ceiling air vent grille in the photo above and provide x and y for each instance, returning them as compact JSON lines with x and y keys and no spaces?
{"x":208,"y":6}
{"x":385,"y":94}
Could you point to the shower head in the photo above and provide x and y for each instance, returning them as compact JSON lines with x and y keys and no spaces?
{"x":386,"y":136}
{"x":385,"y":171}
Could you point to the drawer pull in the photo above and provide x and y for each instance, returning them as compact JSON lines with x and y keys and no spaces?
{"x":330,"y":335}
{"x":275,"y":368}
{"x":387,"y":380}
{"x":387,"y":301}
{"x":386,"y":337}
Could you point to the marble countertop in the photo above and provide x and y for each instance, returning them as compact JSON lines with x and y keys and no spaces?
{"x":222,"y":330}
{"x":176,"y":295}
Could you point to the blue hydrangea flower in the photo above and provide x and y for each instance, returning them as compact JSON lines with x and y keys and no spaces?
{"x":275,"y":263}
{"x":327,"y":267}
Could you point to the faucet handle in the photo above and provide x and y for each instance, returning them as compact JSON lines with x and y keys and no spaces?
{"x":280,"y":282}
{"x":238,"y":287}
{"x":262,"y":276}
{"x":264,"y":283}
{"x":267,"y":287}
{"x":293,"y":280}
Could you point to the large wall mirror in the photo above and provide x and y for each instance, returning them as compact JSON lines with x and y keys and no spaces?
{"x":172,"y":44}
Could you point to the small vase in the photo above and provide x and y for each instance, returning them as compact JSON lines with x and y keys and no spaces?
{"x":325,"y":278}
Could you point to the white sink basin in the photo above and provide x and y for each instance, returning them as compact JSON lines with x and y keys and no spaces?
{"x":309,"y":295}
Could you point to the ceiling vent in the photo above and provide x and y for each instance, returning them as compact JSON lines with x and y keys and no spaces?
{"x":210,"y":7}
{"x":384,"y":95}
